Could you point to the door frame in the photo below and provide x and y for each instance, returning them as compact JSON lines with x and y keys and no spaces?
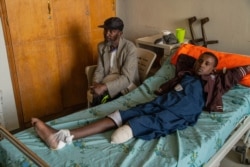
{"x":10,"y":57}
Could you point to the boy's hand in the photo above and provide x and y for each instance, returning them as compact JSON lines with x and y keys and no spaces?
{"x":158,"y":92}
{"x":248,"y":68}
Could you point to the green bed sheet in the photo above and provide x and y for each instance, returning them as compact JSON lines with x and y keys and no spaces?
{"x":191,"y":147}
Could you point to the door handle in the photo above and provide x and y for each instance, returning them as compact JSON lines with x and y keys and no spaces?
{"x":49,"y":9}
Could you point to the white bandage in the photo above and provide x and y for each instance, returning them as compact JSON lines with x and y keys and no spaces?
{"x":122,"y":134}
{"x":63,"y":137}
{"x":116,"y":117}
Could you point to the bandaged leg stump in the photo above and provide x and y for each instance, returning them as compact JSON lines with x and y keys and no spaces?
{"x":122,"y":134}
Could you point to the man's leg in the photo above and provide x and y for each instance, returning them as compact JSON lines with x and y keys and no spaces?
{"x":47,"y":133}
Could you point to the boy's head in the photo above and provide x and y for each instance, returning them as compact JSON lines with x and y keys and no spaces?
{"x":205,"y":64}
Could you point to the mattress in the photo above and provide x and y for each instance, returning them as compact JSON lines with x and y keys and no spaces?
{"x":193,"y":146}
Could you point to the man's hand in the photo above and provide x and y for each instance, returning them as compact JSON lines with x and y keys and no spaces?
{"x":98,"y":89}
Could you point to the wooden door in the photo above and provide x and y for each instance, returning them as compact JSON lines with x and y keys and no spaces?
{"x":100,"y":10}
{"x":72,"y":26}
{"x":49,"y":45}
{"x":34,"y":57}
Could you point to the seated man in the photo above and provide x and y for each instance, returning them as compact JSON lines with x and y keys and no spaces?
{"x":179,"y":104}
{"x":117,"y":66}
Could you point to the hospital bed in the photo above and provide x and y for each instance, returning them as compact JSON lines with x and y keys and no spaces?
{"x":204,"y":144}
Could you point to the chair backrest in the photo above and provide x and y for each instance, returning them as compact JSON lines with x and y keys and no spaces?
{"x":145,"y":61}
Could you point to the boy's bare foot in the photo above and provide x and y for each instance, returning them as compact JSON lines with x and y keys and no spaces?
{"x":45,"y":132}
{"x":53,"y":138}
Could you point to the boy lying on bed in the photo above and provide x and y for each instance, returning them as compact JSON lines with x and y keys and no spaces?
{"x":179,"y":104}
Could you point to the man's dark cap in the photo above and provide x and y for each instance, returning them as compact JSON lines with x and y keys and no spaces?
{"x":113,"y":23}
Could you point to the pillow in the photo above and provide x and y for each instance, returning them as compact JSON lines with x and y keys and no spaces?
{"x":227,"y":60}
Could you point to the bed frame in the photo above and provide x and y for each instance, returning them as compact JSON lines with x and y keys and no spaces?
{"x":242,"y":131}
{"x":25,"y":150}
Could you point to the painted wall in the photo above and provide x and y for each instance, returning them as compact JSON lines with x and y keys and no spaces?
{"x":229,"y":20}
{"x":8,"y":103}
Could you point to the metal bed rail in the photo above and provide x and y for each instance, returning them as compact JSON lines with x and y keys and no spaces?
{"x":236,"y":136}
{"x":30,"y":154}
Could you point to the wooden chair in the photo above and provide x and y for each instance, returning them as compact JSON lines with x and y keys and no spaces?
{"x":146,"y":59}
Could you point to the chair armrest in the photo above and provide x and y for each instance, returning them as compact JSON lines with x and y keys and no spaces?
{"x":89,"y":71}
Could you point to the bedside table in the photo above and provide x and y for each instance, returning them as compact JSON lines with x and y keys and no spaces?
{"x":161,"y":49}
{"x":149,"y":42}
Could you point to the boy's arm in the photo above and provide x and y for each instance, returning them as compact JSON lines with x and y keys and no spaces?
{"x":234,"y":76}
{"x":167,"y":86}
{"x":184,"y":63}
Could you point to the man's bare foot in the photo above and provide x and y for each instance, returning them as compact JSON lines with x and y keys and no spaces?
{"x":45,"y":132}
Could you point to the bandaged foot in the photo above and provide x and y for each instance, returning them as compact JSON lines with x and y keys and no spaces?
{"x":122,"y":134}
{"x":62,"y":138}
{"x":53,"y":138}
